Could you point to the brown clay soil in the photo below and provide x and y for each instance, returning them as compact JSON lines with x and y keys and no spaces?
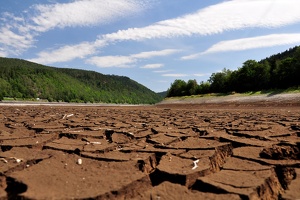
{"x":167,"y":151}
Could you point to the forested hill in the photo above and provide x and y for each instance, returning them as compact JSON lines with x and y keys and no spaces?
{"x":26,"y":80}
{"x":279,"y":71}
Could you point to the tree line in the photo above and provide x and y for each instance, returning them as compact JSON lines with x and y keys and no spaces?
{"x":280,"y":71}
{"x":21,"y":79}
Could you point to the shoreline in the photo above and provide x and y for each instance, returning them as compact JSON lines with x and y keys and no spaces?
{"x":267,"y":99}
{"x":283,"y":99}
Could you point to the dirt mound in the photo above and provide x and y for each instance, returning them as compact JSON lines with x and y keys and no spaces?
{"x":152,"y":152}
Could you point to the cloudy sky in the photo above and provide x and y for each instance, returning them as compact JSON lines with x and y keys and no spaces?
{"x":153,"y":42}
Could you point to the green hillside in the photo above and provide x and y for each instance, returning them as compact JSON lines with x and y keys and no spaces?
{"x":26,"y":80}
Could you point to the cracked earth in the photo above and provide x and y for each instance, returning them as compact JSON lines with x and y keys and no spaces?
{"x":150,"y":152}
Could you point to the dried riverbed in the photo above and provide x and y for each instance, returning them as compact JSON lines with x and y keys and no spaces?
{"x":167,"y":151}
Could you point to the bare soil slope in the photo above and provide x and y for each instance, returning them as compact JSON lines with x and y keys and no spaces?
{"x":284,"y":99}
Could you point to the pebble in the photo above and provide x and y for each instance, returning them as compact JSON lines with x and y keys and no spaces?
{"x":79,"y":161}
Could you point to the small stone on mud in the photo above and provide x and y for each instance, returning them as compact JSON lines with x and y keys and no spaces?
{"x":79,"y":161}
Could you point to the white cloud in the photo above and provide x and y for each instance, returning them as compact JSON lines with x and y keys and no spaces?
{"x":83,"y":13}
{"x":162,"y":71}
{"x":70,"y":52}
{"x":17,"y":33}
{"x":65,"y":53}
{"x":250,"y":43}
{"x":3,"y":53}
{"x":215,"y":19}
{"x":14,"y":43}
{"x":200,"y":75}
{"x":175,"y":75}
{"x":255,"y":42}
{"x":152,"y":66}
{"x":125,"y":61}
{"x":111,"y":61}
{"x":150,"y":54}
{"x":229,"y":15}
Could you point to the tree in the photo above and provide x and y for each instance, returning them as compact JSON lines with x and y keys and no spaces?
{"x":191,"y":87}
{"x":246,"y":76}
{"x":287,"y":73}
{"x":219,"y":82}
{"x":178,"y":88}
{"x":262,"y":76}
{"x":4,"y":88}
{"x":203,"y":88}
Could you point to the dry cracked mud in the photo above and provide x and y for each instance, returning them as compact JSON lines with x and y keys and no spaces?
{"x":149,"y":152}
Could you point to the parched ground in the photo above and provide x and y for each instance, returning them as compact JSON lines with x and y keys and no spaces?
{"x":224,"y":150}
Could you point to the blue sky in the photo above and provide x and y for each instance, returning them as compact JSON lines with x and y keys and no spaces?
{"x":152,"y":42}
